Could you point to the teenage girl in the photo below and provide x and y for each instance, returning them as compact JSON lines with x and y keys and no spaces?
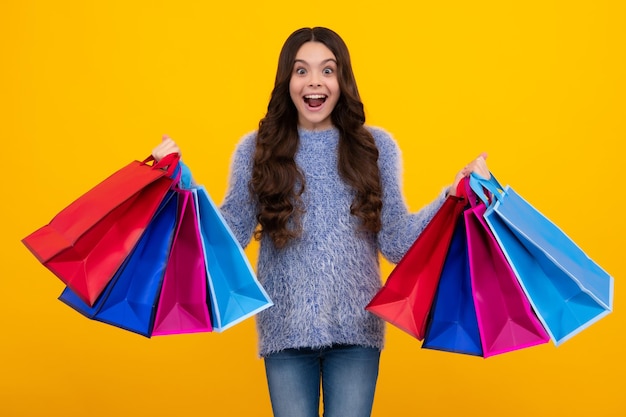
{"x":322,"y":193}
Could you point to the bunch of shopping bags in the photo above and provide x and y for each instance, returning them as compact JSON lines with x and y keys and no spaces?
{"x":490,"y":274}
{"x":149,"y":252}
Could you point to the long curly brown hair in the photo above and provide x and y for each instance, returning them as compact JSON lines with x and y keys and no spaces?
{"x":277,"y":181}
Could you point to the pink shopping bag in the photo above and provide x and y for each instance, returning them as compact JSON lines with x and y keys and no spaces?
{"x":505,"y":317}
{"x":182,"y":306}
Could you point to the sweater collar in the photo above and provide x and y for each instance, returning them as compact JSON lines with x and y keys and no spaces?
{"x":318,"y":135}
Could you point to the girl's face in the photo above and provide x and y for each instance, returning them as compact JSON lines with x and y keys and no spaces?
{"x":314,"y":87}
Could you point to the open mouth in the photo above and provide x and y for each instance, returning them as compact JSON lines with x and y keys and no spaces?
{"x":314,"y":100}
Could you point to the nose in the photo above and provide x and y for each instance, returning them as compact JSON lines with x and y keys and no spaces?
{"x":314,"y":81}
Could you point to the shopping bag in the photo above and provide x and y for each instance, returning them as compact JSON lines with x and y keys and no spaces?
{"x":452,"y":325}
{"x":86,"y":243}
{"x":567,"y":289}
{"x":407,"y":295}
{"x":235,"y":292}
{"x":129,"y":300}
{"x":182,"y":305}
{"x":505,"y":318}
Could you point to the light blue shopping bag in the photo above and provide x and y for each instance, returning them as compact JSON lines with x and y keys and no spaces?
{"x":235,"y":292}
{"x":568,"y":290}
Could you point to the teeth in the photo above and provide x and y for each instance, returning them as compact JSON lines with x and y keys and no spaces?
{"x":315,"y":96}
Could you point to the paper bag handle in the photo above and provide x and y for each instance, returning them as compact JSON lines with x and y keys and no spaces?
{"x":479,"y":184}
{"x":168,"y":162}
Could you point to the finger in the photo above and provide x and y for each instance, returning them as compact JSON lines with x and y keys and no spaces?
{"x":481,"y":167}
{"x":167,"y":146}
{"x":167,"y":143}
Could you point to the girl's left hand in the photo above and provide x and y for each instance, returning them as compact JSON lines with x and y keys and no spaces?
{"x":166,"y":147}
{"x":478,"y":165}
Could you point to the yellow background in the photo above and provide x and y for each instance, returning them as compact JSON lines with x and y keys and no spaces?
{"x":88,"y":86}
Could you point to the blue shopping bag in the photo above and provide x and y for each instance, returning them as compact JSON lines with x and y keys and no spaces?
{"x":129,"y":300}
{"x":235,"y":292}
{"x":568,"y":290}
{"x":453,"y":325}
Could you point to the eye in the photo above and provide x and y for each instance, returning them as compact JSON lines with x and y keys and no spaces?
{"x":328,"y":71}
{"x":300,"y":71}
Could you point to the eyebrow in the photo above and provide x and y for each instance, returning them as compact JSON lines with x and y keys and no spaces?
{"x":326,"y":61}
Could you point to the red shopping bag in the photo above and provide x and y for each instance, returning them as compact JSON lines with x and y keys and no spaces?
{"x":87,"y":241}
{"x":182,"y":306}
{"x":406,"y":297}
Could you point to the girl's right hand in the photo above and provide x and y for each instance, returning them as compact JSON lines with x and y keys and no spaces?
{"x":166,"y":147}
{"x":478,"y":165}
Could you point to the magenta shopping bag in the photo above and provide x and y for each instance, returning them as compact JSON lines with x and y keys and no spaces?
{"x":182,"y":306}
{"x":506,"y":320}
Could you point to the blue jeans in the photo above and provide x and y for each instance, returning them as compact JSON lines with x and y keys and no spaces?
{"x":347,"y":374}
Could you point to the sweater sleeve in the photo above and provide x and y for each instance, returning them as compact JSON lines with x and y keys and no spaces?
{"x":239,"y":207}
{"x":399,"y":227}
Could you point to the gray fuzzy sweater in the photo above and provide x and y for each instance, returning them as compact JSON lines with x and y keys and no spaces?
{"x":321,"y":282}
